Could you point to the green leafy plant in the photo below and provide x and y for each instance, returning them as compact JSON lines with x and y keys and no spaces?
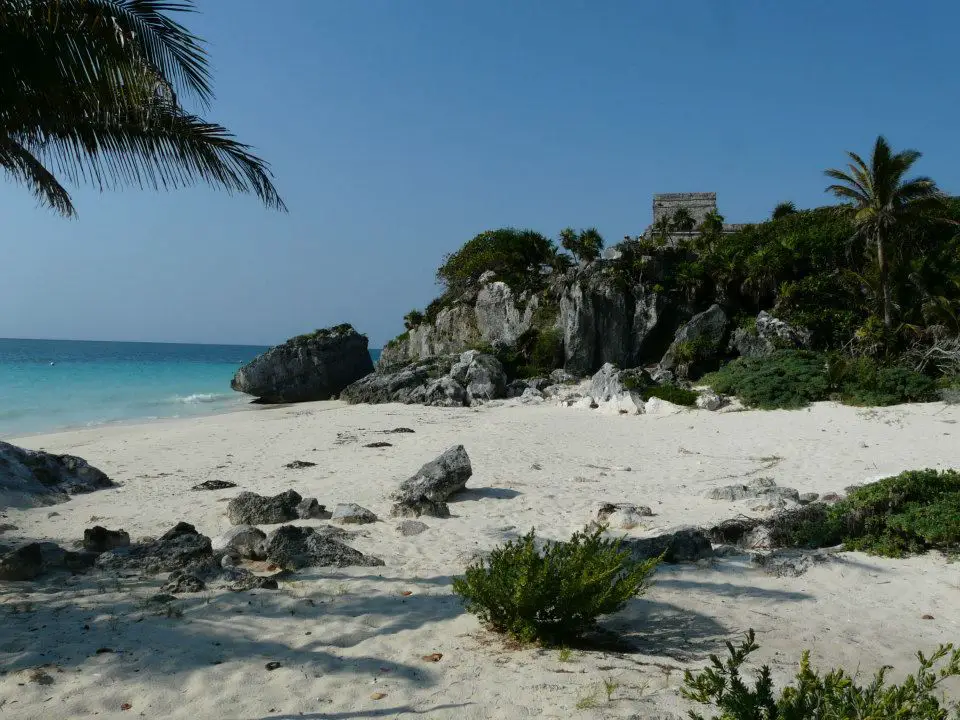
{"x":583,"y":245}
{"x":413,"y":319}
{"x":671,"y":393}
{"x":516,"y":256}
{"x":555,"y":594}
{"x":913,"y":512}
{"x":784,"y":379}
{"x":833,"y":696}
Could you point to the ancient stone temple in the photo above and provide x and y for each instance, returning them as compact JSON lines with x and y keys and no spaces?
{"x":699,"y":205}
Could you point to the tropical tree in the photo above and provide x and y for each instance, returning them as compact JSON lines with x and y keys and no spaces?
{"x":783,"y":209}
{"x":91,"y":91}
{"x":683,"y":221}
{"x":883,"y":202}
{"x":584,"y":245}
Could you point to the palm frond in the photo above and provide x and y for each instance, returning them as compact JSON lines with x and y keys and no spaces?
{"x":20,"y":163}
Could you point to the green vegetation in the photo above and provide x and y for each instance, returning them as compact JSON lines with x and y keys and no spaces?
{"x":554,"y":594}
{"x":671,"y":393}
{"x":834,"y":696}
{"x":95,"y":90}
{"x":516,"y":256}
{"x":913,"y":512}
{"x":583,"y":245}
{"x":795,"y":378}
{"x":413,"y":319}
{"x":782,"y":210}
{"x":323,"y":334}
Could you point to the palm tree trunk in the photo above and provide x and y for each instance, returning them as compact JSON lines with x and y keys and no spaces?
{"x":884,"y":281}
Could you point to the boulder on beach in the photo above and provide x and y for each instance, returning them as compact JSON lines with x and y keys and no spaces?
{"x":248,"y":508}
{"x":31,"y":478}
{"x":98,"y":539}
{"x":293,"y":548}
{"x":316,"y":366}
{"x":438,"y":479}
{"x":180,"y":548}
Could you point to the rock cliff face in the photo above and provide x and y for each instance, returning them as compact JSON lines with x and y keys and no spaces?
{"x":308,"y":367}
{"x":30,"y":478}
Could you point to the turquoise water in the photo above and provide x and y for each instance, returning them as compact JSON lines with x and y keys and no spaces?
{"x":53,"y":384}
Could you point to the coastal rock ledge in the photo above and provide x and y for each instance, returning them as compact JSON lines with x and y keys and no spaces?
{"x":316,"y":366}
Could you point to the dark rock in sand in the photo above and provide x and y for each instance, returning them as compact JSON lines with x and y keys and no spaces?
{"x":686,"y":544}
{"x":416,"y":507}
{"x":214,"y":485}
{"x":242,"y":580}
{"x":408,"y":528}
{"x":181,"y":582}
{"x":243,"y":541}
{"x":352,"y":514}
{"x":309,"y":508}
{"x":30,"y":478}
{"x":293,"y":548}
{"x":248,"y":508}
{"x":299,"y":464}
{"x":378,"y":445}
{"x":30,"y":561}
{"x":99,"y":540}
{"x":180,"y":548}
{"x":438,"y":479}
{"x":308,"y":367}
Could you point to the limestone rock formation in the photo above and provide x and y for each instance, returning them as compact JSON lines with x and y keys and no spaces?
{"x":308,"y":367}
{"x":30,"y":478}
{"x":248,"y":508}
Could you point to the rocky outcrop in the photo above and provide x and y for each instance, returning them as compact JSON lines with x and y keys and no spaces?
{"x":30,"y":561}
{"x":767,"y":334}
{"x":352,"y":514}
{"x":244,"y":541}
{"x":248,"y":508}
{"x":308,"y":367}
{"x":293,"y":548}
{"x":180,"y":548}
{"x":697,"y":343}
{"x":30,"y":478}
{"x":686,"y":544}
{"x":99,"y":540}
{"x":470,"y":378}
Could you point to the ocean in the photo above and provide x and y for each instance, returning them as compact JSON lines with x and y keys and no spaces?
{"x":48,"y":385}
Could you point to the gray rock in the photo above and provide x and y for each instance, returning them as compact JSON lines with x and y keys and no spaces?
{"x":561,"y":377}
{"x":482,"y":375}
{"x":417,"y":507}
{"x":443,"y":392}
{"x":780,"y":333}
{"x":808,"y":497}
{"x":401,"y":384}
{"x":411,"y":527}
{"x":98,"y":539}
{"x":709,"y":400}
{"x":242,"y":580}
{"x":789,"y":563}
{"x":248,"y":508}
{"x":531,"y":396}
{"x":762,"y":488}
{"x":686,"y":544}
{"x":438,"y":479}
{"x":309,"y":508}
{"x":308,"y":367}
{"x":748,"y":344}
{"x":30,"y":478}
{"x":621,"y":516}
{"x":181,"y":582}
{"x":831,"y":498}
{"x":243,"y":541}
{"x":293,"y":548}
{"x":516,"y":388}
{"x":180,"y":548}
{"x":697,"y":343}
{"x":214,"y":485}
{"x":352,"y":514}
{"x":24,"y":563}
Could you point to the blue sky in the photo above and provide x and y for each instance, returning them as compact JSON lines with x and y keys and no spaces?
{"x":398,"y":129}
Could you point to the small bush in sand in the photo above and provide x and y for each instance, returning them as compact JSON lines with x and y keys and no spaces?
{"x":915,"y":511}
{"x":554,"y":594}
{"x":834,"y":696}
{"x":671,"y":393}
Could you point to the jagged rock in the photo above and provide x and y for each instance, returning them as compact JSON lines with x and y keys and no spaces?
{"x":531,"y":396}
{"x":214,"y":485}
{"x":562,"y":377}
{"x":808,"y":497}
{"x":181,"y":582}
{"x":482,"y":375}
{"x":443,"y":392}
{"x":180,"y":548}
{"x":831,"y":498}
{"x":697,"y":343}
{"x":749,"y":344}
{"x":308,"y":367}
{"x":31,"y":478}
{"x":299,"y":464}
{"x":596,"y":322}
{"x":605,"y":383}
{"x":709,"y":400}
{"x":686,"y":544}
{"x":486,"y":277}
{"x":352,"y":514}
{"x":789,"y":563}
{"x":415,"y":507}
{"x":243,"y":541}
{"x":242,"y":580}
{"x":438,"y":479}
{"x":309,"y":508}
{"x":516,"y":388}
{"x":406,"y":384}
{"x":24,"y":563}
{"x":293,"y":548}
{"x":248,"y":508}
{"x":411,"y":527}
{"x":499,"y":320}
{"x":768,"y":334}
{"x":765,"y":488}
{"x":621,"y":516}
{"x":98,"y":539}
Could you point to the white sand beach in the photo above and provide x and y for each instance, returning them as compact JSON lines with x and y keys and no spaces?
{"x":351,"y":643}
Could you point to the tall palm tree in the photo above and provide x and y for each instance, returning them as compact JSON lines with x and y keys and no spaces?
{"x":90,"y":90}
{"x":783,"y":209}
{"x":883,"y":201}
{"x":683,"y":221}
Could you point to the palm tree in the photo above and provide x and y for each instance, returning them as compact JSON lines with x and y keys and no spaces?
{"x":90,"y":90}
{"x":883,"y":202}
{"x":683,"y":221}
{"x":783,"y":209}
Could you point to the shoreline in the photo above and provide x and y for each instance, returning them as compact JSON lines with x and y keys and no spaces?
{"x":346,"y":637}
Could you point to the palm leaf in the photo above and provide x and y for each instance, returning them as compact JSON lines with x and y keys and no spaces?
{"x":24,"y":166}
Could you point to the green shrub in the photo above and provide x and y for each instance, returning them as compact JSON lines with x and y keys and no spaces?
{"x":413,"y":319}
{"x":516,"y":256}
{"x":323,"y":334}
{"x":915,"y":511}
{"x":834,"y":696}
{"x":784,"y":379}
{"x":863,"y":382}
{"x":671,"y":393}
{"x":547,"y":352}
{"x":584,"y":245}
{"x":556,"y":594}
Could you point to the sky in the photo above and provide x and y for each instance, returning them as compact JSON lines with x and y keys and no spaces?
{"x":399,"y":129}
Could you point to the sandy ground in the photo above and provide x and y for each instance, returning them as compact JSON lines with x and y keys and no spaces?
{"x":351,"y":642}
